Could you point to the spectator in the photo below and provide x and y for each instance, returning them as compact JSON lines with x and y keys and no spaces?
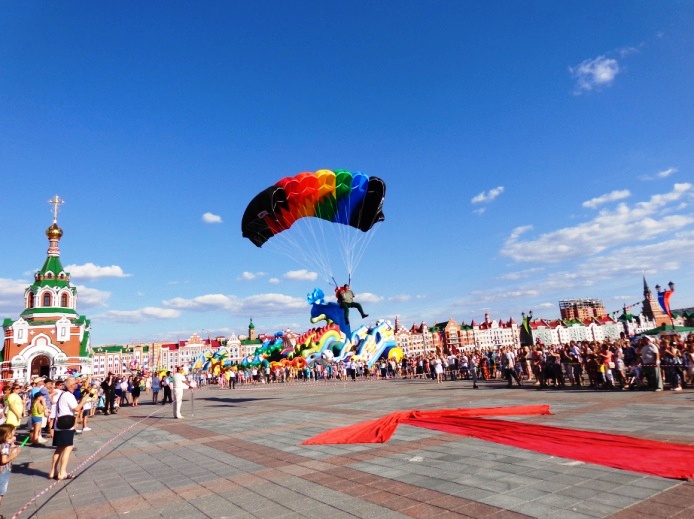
{"x":38,"y":411}
{"x":14,"y":407}
{"x":9,"y":450}
{"x":63,"y":438}
{"x":110,"y":385}
{"x":650,"y":358}
{"x":166,"y":385}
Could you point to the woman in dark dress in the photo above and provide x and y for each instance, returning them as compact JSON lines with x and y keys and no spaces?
{"x":136,"y":390}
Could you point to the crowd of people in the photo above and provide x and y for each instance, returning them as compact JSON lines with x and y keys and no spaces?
{"x":644,"y":362}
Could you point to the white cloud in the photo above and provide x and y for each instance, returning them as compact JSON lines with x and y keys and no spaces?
{"x":90,"y":271}
{"x":593,"y":74}
{"x":660,"y":174}
{"x":138,"y":316}
{"x":368,"y":297}
{"x":609,"y":197}
{"x":628,"y":51}
{"x":273,"y":304}
{"x":260,"y":305}
{"x":273,"y":281}
{"x":12,"y":296}
{"x":91,"y":297}
{"x":250,"y":276}
{"x":203,"y":303}
{"x":521,"y":274}
{"x":518,"y":231}
{"x":487,"y":196}
{"x":589,"y":274}
{"x":667,"y":172}
{"x":301,"y":275}
{"x":211,"y":218}
{"x":402,"y":298}
{"x":644,"y":221}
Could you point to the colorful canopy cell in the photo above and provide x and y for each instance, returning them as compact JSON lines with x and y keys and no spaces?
{"x":339,"y":196}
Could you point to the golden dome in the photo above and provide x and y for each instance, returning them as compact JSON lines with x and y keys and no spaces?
{"x":54,"y":232}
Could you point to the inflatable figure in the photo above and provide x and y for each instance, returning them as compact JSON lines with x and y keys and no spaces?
{"x":330,"y":312}
{"x":374,"y":343}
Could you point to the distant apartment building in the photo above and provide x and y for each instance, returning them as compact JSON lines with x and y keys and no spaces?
{"x":581,"y":309}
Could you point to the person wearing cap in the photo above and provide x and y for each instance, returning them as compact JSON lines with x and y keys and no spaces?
{"x":39,"y":387}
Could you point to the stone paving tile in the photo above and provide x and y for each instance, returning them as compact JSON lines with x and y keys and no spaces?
{"x":239,"y":457}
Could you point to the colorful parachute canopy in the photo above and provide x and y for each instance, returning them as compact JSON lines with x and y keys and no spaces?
{"x":338,"y":196}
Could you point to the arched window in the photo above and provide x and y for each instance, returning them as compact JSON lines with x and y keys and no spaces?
{"x":30,"y":303}
{"x":49,"y":275}
{"x":46,"y":299}
{"x":63,"y":300}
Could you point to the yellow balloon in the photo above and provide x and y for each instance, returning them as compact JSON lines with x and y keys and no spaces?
{"x":395,"y":354}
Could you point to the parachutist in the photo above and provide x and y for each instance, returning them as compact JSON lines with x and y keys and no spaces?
{"x":345,"y":298}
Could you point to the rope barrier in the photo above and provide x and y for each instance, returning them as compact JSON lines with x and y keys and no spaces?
{"x":87,"y":460}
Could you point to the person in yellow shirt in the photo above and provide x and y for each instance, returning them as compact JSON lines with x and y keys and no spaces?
{"x":14,"y":406}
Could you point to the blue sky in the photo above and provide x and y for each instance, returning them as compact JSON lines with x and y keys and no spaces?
{"x":532,"y":151}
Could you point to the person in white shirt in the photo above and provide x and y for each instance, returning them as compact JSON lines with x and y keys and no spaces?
{"x":179,"y":383}
{"x":63,"y":439}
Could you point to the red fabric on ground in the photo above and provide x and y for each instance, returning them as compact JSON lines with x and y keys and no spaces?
{"x":381,"y":429}
{"x":670,"y":460}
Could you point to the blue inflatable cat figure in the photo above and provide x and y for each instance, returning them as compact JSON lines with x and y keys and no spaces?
{"x":331,"y":312}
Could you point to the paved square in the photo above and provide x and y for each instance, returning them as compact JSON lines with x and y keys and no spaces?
{"x":237,"y":454}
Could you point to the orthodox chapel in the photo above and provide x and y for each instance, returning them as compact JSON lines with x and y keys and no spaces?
{"x":49,"y":339}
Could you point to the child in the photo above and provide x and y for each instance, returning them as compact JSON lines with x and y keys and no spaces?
{"x":8,"y":452}
{"x":38,"y":411}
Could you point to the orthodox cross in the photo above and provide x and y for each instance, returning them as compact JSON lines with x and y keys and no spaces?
{"x":55,"y":202}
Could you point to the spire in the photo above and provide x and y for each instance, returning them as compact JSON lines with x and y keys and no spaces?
{"x":646,"y":290}
{"x":54,"y":233}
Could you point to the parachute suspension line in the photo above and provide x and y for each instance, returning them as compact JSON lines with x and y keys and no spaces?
{"x":294,"y":245}
{"x":349,"y":239}
{"x":362,"y":246}
{"x":307,"y":245}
